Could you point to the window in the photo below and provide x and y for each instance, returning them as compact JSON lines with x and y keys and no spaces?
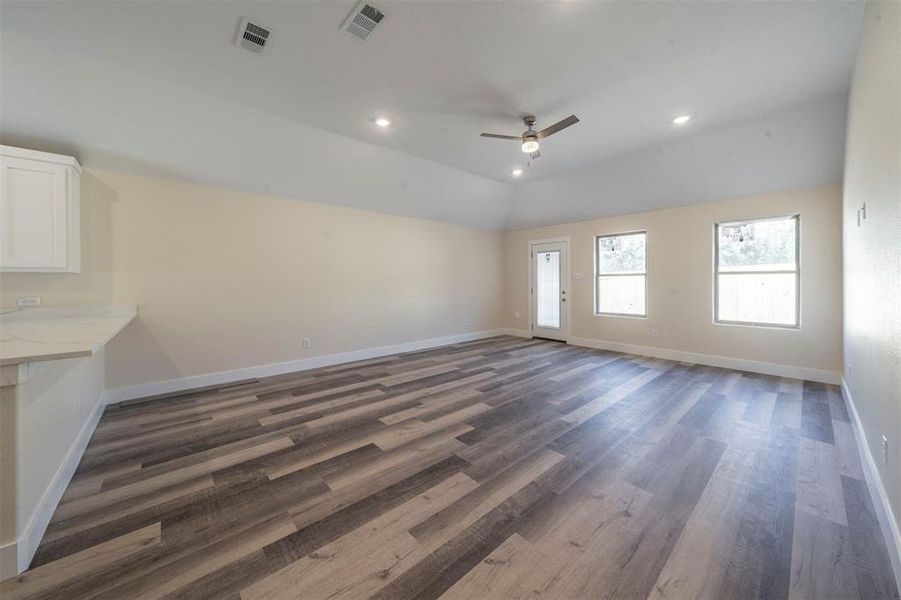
{"x":621,"y":274}
{"x":757,"y":279}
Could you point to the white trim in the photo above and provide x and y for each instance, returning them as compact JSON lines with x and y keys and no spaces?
{"x":726,"y":362}
{"x":523,"y":333}
{"x":37,"y":155}
{"x":15,"y":556}
{"x":567,"y":281}
{"x":221,"y":377}
{"x":884,"y":514}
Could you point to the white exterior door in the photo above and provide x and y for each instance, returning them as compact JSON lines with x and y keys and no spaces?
{"x":549,"y":293}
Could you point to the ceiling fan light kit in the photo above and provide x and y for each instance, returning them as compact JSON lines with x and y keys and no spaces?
{"x":529,"y":138}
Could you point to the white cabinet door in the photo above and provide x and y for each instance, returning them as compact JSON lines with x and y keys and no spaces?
{"x":37,"y":204}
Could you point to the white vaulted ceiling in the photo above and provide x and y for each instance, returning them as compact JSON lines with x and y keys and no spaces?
{"x":159,"y":87}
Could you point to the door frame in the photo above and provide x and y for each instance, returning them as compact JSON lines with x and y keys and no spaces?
{"x":566,"y":282}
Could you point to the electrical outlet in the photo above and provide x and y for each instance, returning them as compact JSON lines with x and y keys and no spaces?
{"x":655,"y":334}
{"x":28,"y":301}
{"x":516,"y":313}
{"x":307,"y":343}
{"x":884,"y":450}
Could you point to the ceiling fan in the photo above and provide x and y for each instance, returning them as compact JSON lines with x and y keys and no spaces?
{"x":530,"y":137}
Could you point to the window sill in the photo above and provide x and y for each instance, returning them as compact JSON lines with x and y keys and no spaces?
{"x":621,"y":315}
{"x":758,"y":325}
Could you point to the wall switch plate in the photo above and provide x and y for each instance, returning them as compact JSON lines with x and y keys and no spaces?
{"x":655,"y":334}
{"x":28,"y":301}
{"x":884,"y":450}
{"x":307,"y":343}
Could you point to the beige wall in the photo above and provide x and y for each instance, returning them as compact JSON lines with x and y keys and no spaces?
{"x":226,"y":280}
{"x":680,"y":281}
{"x":872,"y":262}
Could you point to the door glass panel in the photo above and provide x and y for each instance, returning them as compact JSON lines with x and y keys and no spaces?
{"x":547,"y":288}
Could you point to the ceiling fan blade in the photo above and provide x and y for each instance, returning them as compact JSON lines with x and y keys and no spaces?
{"x":503,"y":137}
{"x":570,"y":120}
{"x":536,"y":154}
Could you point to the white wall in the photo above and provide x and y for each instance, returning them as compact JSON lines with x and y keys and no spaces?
{"x":45,"y":424}
{"x":872,"y":251}
{"x":680,"y":285}
{"x":227,"y":280}
{"x":784,"y":150}
{"x":175,"y":126}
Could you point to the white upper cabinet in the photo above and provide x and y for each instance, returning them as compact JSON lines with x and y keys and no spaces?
{"x":40,"y":229}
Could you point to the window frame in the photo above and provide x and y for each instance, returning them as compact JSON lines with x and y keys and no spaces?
{"x":598,"y":275}
{"x":796,"y":272}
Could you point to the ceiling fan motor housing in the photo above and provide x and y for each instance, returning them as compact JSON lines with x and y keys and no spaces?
{"x":529,"y":143}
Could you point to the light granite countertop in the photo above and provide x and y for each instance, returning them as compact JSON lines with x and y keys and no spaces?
{"x":44,"y":333}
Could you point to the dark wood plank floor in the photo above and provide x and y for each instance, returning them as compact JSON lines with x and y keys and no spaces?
{"x":502,"y":468}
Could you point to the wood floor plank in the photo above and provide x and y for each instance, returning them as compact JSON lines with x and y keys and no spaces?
{"x":816,"y":417}
{"x":846,"y":453}
{"x":498,"y":574}
{"x":450,"y":521}
{"x":160,"y":582}
{"x":361,"y":561}
{"x":871,"y":561}
{"x":141,"y":486}
{"x":501,"y":468}
{"x":563,"y":559}
{"x":819,"y":481}
{"x":709,"y":534}
{"x":822,"y":563}
{"x":48,"y":578}
{"x":635,"y":566}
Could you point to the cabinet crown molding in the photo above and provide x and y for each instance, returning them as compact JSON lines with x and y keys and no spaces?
{"x":37,"y":155}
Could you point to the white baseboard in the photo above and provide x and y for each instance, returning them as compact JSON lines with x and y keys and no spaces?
{"x":877,"y":491}
{"x":16,"y":556}
{"x":222,"y":377}
{"x":524,"y":333}
{"x":725,"y":362}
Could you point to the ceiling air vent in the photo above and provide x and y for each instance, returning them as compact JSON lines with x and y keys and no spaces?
{"x":363,"y":20}
{"x":253,"y":37}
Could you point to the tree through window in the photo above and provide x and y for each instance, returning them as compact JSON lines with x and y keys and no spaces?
{"x":621,"y":274}
{"x":757,"y":280}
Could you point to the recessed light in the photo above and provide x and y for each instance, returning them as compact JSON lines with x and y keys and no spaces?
{"x":517,"y":172}
{"x":382,"y":122}
{"x":681,"y":119}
